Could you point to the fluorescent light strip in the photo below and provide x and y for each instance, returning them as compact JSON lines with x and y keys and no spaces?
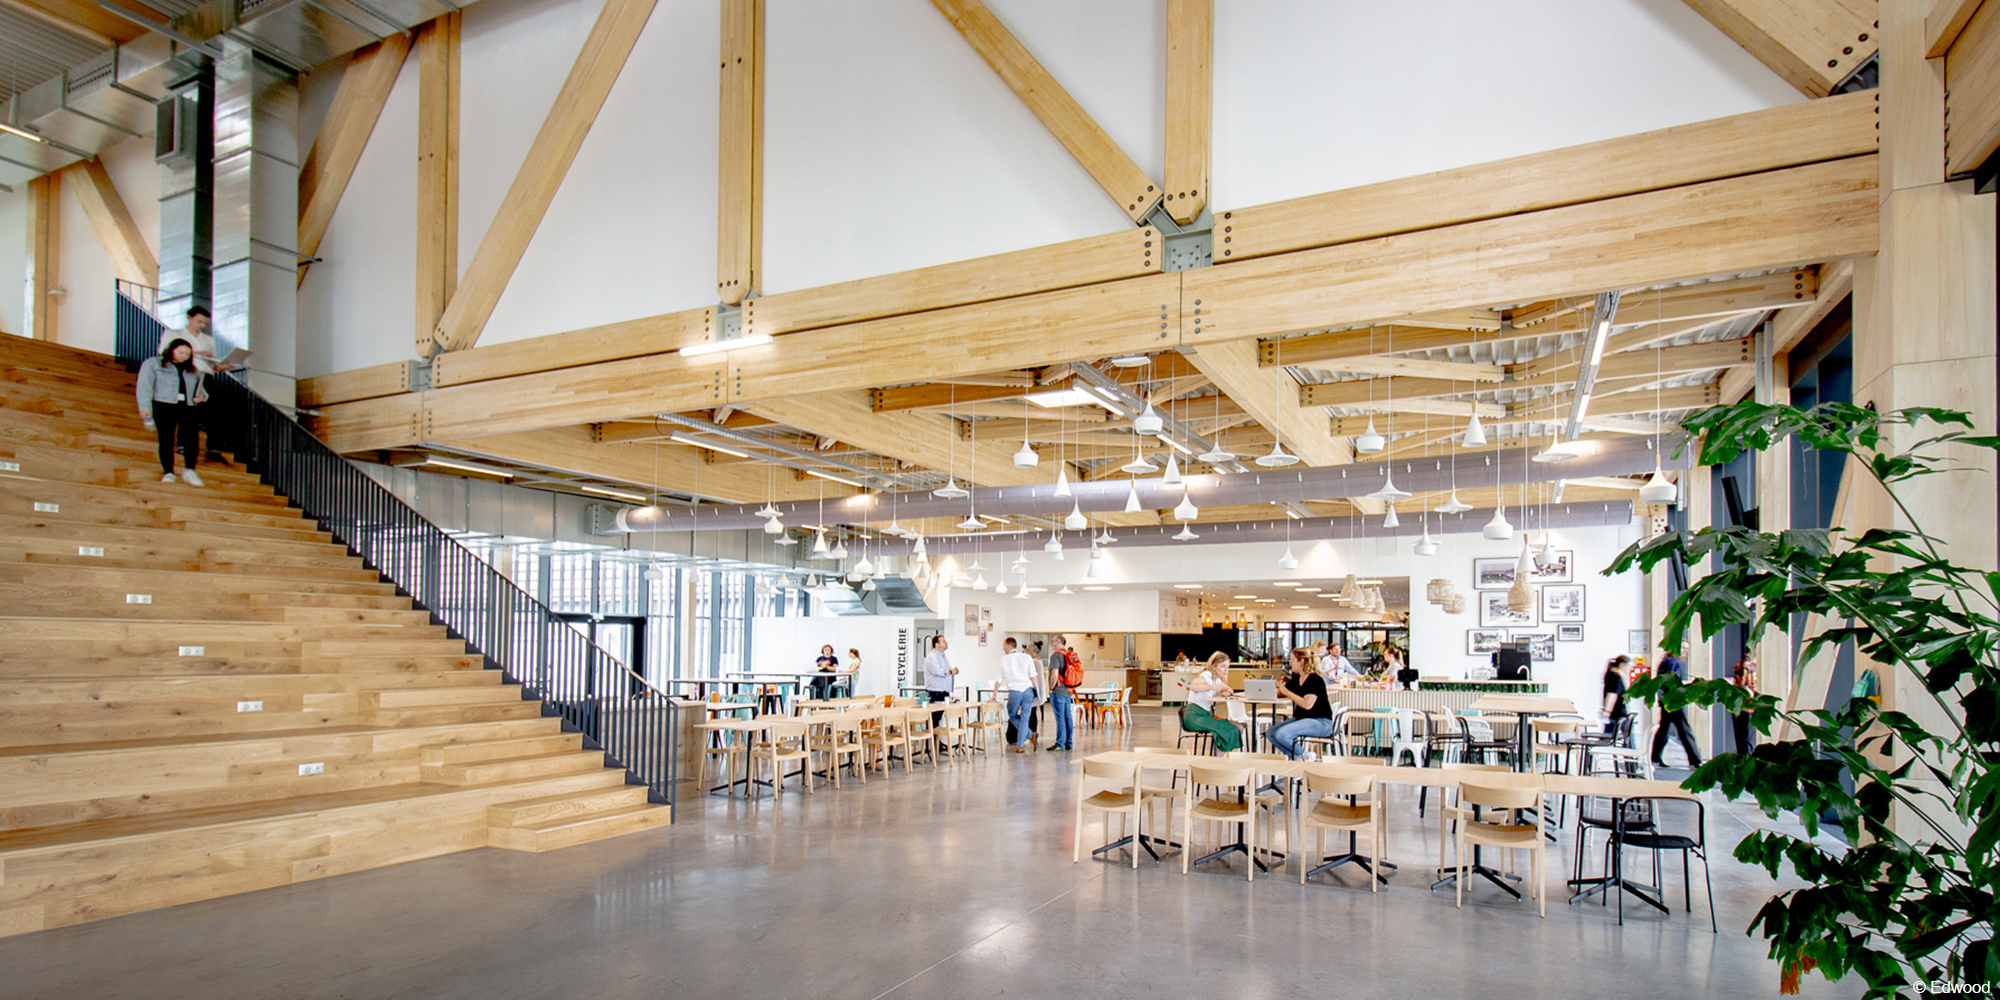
{"x":834,"y":478}
{"x":1176,"y":445}
{"x":620,"y":494}
{"x":713,"y":346}
{"x":30,"y":136}
{"x":468,"y":468}
{"x":691,"y":442}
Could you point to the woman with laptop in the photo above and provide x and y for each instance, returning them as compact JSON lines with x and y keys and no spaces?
{"x":1312,"y":712}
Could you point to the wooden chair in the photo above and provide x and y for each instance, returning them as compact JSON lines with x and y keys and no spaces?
{"x":837,"y":735}
{"x":1507,"y":836}
{"x":728,"y":745}
{"x":1170,"y":793}
{"x":952,"y":735}
{"x":1449,"y":811}
{"x":785,"y":742}
{"x":1243,"y":812}
{"x":920,"y":729}
{"x":1362,"y":811}
{"x":1126,"y":797}
{"x":895,"y":735}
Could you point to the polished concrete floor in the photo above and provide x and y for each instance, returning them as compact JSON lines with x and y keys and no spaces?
{"x":950,"y":882}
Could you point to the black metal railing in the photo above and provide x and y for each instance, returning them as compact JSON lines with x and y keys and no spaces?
{"x":135,"y":330}
{"x":616,"y":710}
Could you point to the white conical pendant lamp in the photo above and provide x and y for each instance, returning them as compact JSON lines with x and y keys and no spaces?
{"x":1062,"y":481}
{"x":819,"y":545}
{"x":1132,"y":499}
{"x":774,"y":527}
{"x":1148,"y":422}
{"x":1065,"y":590}
{"x":1185,"y":510}
{"x":1278,"y":458}
{"x":1054,"y":544}
{"x":1498,"y":528}
{"x":1139,"y":466}
{"x":1288,"y":560}
{"x":950,"y":490}
{"x":1475,"y":432}
{"x":918,"y":549}
{"x":839,"y":550}
{"x":1389,"y":493}
{"x":1545,"y":553}
{"x":1076,"y":521}
{"x":1217,"y":455}
{"x":980,"y":583}
{"x":1172,"y":477}
{"x":1453,"y":505}
{"x":1001,"y":587}
{"x":865,"y":567}
{"x":1021,"y":592}
{"x":767,"y":511}
{"x":972,"y":523}
{"x":1026,"y":457}
{"x":1090,"y":572}
{"x":1426,"y":546}
{"x":1659,"y":489}
{"x":1369,"y":442}
{"x":1185,"y":535}
{"x":1390,"y":520}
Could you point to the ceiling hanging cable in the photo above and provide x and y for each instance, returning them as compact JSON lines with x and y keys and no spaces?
{"x":951,"y":490}
{"x":1658,"y":489}
{"x":1370,"y":442}
{"x":1279,"y":457}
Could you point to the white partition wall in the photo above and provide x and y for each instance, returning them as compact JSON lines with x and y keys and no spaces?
{"x":888,"y":645}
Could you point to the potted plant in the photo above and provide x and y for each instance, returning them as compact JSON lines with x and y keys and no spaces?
{"x":1905,"y":900}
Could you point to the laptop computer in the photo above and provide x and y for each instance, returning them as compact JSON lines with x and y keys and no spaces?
{"x":1260,"y":689}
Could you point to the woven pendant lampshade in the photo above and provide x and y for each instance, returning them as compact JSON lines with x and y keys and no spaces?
{"x":1455,"y":605}
{"x":1521,"y":596}
{"x":1438,"y":591}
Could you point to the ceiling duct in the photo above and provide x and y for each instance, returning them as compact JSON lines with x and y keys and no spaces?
{"x":109,"y":98}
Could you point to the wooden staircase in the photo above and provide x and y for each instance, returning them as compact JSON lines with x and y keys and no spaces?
{"x":202,"y":694}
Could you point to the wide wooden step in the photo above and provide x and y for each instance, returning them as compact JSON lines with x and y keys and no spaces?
{"x":486,"y":750}
{"x":606,"y":814}
{"x":489,"y":692}
{"x":60,"y":877}
{"x":486,"y":772}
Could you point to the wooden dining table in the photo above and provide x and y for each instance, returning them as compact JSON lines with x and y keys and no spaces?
{"x":1524,"y":707}
{"x":1595,"y":786}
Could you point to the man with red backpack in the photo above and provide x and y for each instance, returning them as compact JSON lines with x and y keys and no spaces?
{"x":1065,"y":676}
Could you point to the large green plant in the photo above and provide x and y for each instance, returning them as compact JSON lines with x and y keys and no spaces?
{"x":1912,"y":902}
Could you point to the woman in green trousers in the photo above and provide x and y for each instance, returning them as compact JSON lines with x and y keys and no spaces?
{"x":1195,"y":715}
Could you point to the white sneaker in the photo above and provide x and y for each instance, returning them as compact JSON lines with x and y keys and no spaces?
{"x":191,"y":479}
{"x":168,"y":478}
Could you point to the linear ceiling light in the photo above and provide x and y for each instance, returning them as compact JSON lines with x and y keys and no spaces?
{"x":462,"y":467}
{"x":833,"y":478}
{"x":30,"y":136}
{"x":620,"y":494}
{"x":692,"y":443}
{"x":713,"y":346}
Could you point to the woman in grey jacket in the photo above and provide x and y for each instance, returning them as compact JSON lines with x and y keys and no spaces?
{"x":169,"y":389}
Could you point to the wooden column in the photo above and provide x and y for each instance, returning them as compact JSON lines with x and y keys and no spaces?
{"x":44,"y":256}
{"x":739,"y":223}
{"x":1773,"y":649}
{"x":1925,"y":317}
{"x":1697,"y":498}
{"x":437,"y":173}
{"x":1190,"y":62}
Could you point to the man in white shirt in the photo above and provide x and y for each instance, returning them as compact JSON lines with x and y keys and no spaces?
{"x":1337,"y":665}
{"x":1017,"y":671}
{"x":938,"y":674}
{"x":197,"y":335}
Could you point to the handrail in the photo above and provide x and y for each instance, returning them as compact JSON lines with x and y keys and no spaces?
{"x":615,"y":709}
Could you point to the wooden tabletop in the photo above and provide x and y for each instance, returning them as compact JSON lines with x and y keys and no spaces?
{"x":1435,"y":777}
{"x":1536,"y":704}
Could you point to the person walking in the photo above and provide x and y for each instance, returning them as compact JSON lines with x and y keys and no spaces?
{"x":1675,"y":720}
{"x":1017,"y":671}
{"x":1312,"y":712}
{"x":195,"y":332}
{"x":938,"y":674}
{"x":1196,"y":715}
{"x":1062,"y":692}
{"x":1744,"y":675}
{"x":168,"y":389}
{"x":1614,"y":692}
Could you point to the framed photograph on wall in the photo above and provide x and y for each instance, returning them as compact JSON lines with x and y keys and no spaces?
{"x":1541,"y":646}
{"x":1562,"y":604}
{"x":1559,"y":570}
{"x":1484,"y":641}
{"x":972,"y":619}
{"x":1492,"y":574}
{"x":1494,"y":612}
{"x":1569,"y":633}
{"x":1638,"y":641}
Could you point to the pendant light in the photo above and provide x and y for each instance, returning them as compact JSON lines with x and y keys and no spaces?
{"x":1185,"y":510}
{"x":1498,"y":528}
{"x":1139,"y":466}
{"x":1054,"y":544}
{"x":767,"y":511}
{"x":1389,"y":493}
{"x":1148,"y":422}
{"x":1288,"y":560}
{"x":1350,"y":590}
{"x":1062,"y":466}
{"x":1026,"y":457}
{"x":1132,"y":499}
{"x":1090,"y":572}
{"x":819,"y":544}
{"x":1426,"y":546}
{"x":1001,"y":587}
{"x":1173,"y":473}
{"x":1279,"y":457}
{"x":1658,"y":488}
{"x":1545,"y":555}
{"x":1370,"y":441}
{"x":950,"y":490}
{"x":1453,"y":505}
{"x":1185,"y":535}
{"x":980,"y":582}
{"x":839,"y":550}
{"x":1216,"y":453}
{"x":918,"y":551}
{"x":1062,"y":480}
{"x":972,"y":523}
{"x":1021,"y":592}
{"x":1521,"y":597}
{"x":1103,"y":537}
{"x":865,"y":567}
{"x":774,"y":527}
{"x":1065,"y":590}
{"x":1475,"y":432}
{"x":1075,"y":521}
{"x":1390,"y":520}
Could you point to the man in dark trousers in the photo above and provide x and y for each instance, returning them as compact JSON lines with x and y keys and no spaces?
{"x":1676,"y":720}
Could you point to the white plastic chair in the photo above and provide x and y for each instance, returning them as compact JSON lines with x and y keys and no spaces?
{"x":1403,"y":738}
